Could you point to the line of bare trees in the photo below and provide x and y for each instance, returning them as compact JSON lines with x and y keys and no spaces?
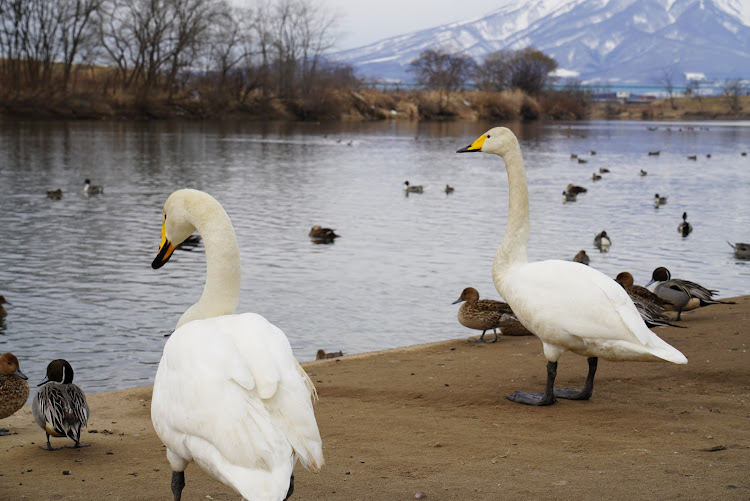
{"x":146,"y":47}
{"x":527,"y":69}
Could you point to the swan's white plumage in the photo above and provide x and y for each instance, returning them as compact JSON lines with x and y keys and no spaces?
{"x":569,"y":306}
{"x":229,"y":393}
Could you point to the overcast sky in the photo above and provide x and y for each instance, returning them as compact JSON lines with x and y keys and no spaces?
{"x":362,"y":22}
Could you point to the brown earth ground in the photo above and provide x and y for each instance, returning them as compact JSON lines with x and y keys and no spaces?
{"x":434,"y":419}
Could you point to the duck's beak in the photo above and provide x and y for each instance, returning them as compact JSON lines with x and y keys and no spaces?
{"x":20,"y":374}
{"x":476,"y":146}
{"x":165,"y":249}
{"x":651,"y":282}
{"x":45,"y":380}
{"x":459,"y":300}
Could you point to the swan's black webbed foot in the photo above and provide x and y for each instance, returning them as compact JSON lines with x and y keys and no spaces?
{"x":538,"y":399}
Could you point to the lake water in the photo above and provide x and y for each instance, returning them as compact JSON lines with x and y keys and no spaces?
{"x":77,"y":271}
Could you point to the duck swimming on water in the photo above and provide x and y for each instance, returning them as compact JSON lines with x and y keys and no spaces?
{"x":568,"y":306}
{"x":684,"y":228}
{"x":229,"y":393}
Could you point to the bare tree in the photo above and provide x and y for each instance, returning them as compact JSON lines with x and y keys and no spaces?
{"x":443,"y":71}
{"x":530,"y":70}
{"x":494,"y":72}
{"x":733,"y":89}
{"x":667,"y":79}
{"x":76,"y":32}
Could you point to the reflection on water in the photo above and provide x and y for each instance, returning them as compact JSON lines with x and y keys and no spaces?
{"x":77,"y":270}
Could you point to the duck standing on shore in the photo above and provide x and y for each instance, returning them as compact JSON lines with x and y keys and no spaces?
{"x":684,"y":295}
{"x":486,"y":314}
{"x":229,"y":393}
{"x":60,"y":407}
{"x":568,"y":306}
{"x":14,"y":390}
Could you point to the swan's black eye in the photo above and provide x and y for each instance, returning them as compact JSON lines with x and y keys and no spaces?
{"x":488,"y":136}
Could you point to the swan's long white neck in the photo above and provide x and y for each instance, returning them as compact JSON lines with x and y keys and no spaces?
{"x":223,"y":274}
{"x":512,"y":250}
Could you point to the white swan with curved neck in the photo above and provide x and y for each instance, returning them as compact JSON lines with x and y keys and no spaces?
{"x":569,"y":306}
{"x":228,"y":393}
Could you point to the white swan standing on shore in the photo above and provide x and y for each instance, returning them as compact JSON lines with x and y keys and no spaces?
{"x":228,"y":393}
{"x":569,"y":306}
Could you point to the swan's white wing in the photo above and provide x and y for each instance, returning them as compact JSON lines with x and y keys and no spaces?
{"x":573,"y":306}
{"x":229,"y":394}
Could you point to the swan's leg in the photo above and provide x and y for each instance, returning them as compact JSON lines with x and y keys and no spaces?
{"x":546,"y":398}
{"x":49,"y":446}
{"x":178,"y":483}
{"x":588,"y":386}
{"x":291,"y":488}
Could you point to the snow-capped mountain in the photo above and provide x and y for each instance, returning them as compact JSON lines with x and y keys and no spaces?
{"x":615,"y":41}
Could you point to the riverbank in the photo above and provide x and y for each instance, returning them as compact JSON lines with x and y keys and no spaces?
{"x":371,"y":104}
{"x":434,"y":419}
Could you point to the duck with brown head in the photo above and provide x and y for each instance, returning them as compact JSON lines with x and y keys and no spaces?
{"x":568,"y":306}
{"x":14,"y":390}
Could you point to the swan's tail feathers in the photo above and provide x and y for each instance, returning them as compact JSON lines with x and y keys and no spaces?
{"x":666,"y":351}
{"x":308,"y":383}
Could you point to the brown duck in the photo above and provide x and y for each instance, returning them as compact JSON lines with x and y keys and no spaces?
{"x":14,"y":390}
{"x":486,"y":314}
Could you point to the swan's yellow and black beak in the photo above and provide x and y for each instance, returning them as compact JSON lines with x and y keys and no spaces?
{"x":476,"y":146}
{"x":165,"y":250}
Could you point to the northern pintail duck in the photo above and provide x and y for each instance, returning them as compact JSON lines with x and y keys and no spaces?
{"x":572,"y":188}
{"x":582,"y":258}
{"x":741,"y":251}
{"x":682,"y":294}
{"x":55,"y":194}
{"x":595,"y":176}
{"x":91,"y":189}
{"x":659,"y":200}
{"x":60,"y":407}
{"x":14,"y":390}
{"x":642,"y":173}
{"x":486,"y":314}
{"x":684,"y":228}
{"x":322,"y":355}
{"x":408,"y":188}
{"x":602,"y":241}
{"x":229,"y":393}
{"x":322,"y":235}
{"x":603,"y":170}
{"x":599,"y":319}
{"x":654,"y":153}
{"x":651,"y":307}
{"x":449,"y":189}
{"x":692,"y":157}
{"x":3,"y":311}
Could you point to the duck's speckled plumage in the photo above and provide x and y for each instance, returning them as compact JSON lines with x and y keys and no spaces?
{"x":14,"y":390}
{"x":60,"y":407}
{"x":651,"y":307}
{"x":486,"y":314}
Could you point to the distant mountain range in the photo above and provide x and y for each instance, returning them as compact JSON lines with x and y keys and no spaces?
{"x":595,"y":41}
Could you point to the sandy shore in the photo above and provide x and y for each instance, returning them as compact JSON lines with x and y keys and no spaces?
{"x":434,"y":419}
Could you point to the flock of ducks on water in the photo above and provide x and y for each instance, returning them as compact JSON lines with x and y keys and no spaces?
{"x":88,"y":189}
{"x":248,"y":374}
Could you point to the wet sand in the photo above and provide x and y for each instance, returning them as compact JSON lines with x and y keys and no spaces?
{"x":434,"y":419}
